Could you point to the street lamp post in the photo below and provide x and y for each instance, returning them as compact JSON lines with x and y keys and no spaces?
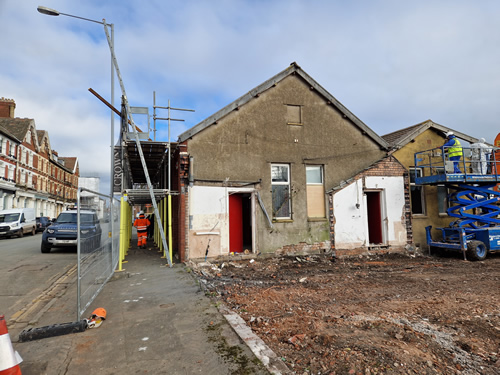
{"x":53,"y":12}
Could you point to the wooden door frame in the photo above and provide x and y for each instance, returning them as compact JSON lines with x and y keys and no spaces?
{"x":253,"y":220}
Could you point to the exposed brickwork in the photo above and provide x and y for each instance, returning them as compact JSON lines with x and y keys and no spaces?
{"x":180,"y":202}
{"x":408,"y":216}
{"x":7,"y":107}
{"x":333,"y":221}
{"x":365,"y":251}
{"x":388,"y":166}
{"x":304,"y":248}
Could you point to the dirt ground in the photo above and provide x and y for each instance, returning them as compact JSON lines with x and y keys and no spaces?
{"x":374,"y":314}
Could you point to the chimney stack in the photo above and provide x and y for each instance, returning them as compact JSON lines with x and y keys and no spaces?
{"x":7,"y":107}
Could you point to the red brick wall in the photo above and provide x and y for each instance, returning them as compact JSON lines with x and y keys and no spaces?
{"x":180,"y":183}
{"x":7,"y":107}
{"x":305,"y":248}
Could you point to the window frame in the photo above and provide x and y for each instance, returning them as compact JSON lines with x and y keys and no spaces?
{"x":11,"y":173}
{"x":413,"y":172}
{"x":308,"y":192}
{"x":289,"y":198}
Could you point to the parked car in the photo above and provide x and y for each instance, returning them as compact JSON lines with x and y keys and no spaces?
{"x":17,"y":222}
{"x":63,"y":231}
{"x":42,"y":222}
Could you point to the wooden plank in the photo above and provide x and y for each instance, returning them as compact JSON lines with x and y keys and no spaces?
{"x":316,"y":201}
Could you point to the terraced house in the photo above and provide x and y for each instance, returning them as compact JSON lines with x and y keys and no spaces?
{"x":31,"y":173}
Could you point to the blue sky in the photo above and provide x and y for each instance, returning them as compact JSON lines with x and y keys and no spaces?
{"x":392,"y":63}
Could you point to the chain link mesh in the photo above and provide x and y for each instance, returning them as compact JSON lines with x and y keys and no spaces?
{"x":98,"y":245}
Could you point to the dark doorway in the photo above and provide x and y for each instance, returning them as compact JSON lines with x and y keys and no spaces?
{"x":374,"y":208}
{"x":240,"y":222}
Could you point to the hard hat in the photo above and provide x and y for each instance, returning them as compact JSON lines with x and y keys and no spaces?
{"x":99,"y":312}
{"x":449,"y":134}
{"x":141,"y":213}
{"x":95,"y":320}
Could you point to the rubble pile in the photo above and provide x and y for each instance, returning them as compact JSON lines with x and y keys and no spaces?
{"x":374,"y":314}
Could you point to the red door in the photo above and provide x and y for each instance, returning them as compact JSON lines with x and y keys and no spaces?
{"x":374,"y":217}
{"x":235,"y":223}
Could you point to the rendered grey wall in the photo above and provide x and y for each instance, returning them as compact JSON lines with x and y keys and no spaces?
{"x":243,"y":145}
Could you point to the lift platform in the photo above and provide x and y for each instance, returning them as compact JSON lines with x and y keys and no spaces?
{"x":474,"y":201}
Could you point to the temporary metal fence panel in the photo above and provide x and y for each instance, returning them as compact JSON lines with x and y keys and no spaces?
{"x":98,"y":244}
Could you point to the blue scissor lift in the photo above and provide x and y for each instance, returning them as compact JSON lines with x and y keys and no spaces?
{"x":474,"y":202}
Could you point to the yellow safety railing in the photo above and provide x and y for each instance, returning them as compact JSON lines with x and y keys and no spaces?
{"x":170,"y":225}
{"x":125,"y":231}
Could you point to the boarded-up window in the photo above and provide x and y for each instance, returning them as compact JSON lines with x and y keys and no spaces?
{"x":442,"y":198}
{"x":315,"y":192}
{"x":442,"y":195}
{"x":293,"y":114}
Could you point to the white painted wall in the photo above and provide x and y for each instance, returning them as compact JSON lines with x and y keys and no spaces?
{"x":351,"y":227}
{"x":394,"y":198}
{"x":209,"y":219}
{"x":91,"y":183}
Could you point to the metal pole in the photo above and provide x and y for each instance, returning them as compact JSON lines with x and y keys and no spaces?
{"x":168,"y":208}
{"x":138,"y":143}
{"x":123,"y":235}
{"x":78,"y":254}
{"x":111,"y":182}
{"x":169,"y":200}
{"x":154,"y":116}
{"x":53,"y":12}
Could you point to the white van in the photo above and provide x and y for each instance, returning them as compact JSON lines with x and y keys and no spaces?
{"x":17,"y":222}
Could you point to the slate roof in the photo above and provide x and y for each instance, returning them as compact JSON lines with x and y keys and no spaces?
{"x":294,"y":68}
{"x":15,"y":127}
{"x":40,"y":135}
{"x":401,"y":137}
{"x":69,"y":162}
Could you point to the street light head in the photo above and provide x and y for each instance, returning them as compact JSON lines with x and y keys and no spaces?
{"x":47,"y":11}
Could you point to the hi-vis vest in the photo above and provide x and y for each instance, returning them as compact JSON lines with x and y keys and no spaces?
{"x":456,"y":149}
{"x":141,"y":224}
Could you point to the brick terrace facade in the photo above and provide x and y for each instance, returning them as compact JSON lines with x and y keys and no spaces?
{"x":31,"y":173}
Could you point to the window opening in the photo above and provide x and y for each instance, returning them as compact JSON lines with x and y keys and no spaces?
{"x":280,"y":182}
{"x":417,"y":193}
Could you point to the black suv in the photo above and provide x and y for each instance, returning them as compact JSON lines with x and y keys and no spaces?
{"x":42,"y":222}
{"x":62,"y":232}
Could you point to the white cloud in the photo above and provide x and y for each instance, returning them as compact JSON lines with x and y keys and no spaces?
{"x":392,"y":63}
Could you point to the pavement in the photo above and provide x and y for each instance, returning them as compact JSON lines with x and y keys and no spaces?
{"x":159,"y":321}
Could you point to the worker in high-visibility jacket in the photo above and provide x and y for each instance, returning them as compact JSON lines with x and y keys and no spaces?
{"x":142,"y":224}
{"x":453,"y":149}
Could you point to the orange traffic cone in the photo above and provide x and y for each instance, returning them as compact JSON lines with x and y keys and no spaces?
{"x":9,"y":359}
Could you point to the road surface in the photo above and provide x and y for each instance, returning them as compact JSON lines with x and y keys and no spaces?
{"x":29,"y":280}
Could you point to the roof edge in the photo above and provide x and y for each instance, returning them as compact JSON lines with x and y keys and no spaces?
{"x":293,"y":68}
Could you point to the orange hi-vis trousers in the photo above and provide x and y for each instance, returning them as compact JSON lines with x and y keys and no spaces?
{"x":142,"y":238}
